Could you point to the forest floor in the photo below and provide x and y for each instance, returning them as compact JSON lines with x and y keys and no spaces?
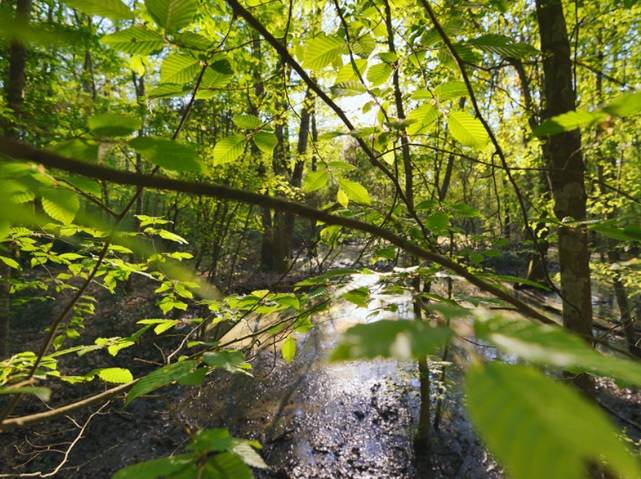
{"x":315,"y":419}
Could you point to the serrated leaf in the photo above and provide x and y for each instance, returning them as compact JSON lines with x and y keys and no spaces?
{"x":538,"y":427}
{"x":379,"y":73}
{"x":467,"y":130}
{"x":247,"y":122}
{"x":172,"y":15}
{"x":288,"y":349}
{"x":115,"y":375}
{"x":249,"y":455}
{"x":227,"y":465}
{"x":229,"y":149}
{"x":265,"y":141}
{"x":158,"y":468}
{"x":61,"y":205}
{"x":113,"y":124}
{"x":135,"y":40}
{"x":218,"y":75}
{"x":438,"y":222}
{"x":355,"y":191}
{"x":503,"y":46}
{"x":321,"y":51}
{"x":179,"y":68}
{"x":315,"y":180}
{"x":160,"y":377}
{"x":167,"y":153}
{"x":568,"y":122}
{"x":229,"y":360}
{"x":357,"y":296}
{"x":422,"y":118}
{"x":167,"y":90}
{"x":347,"y":72}
{"x":113,"y":9}
{"x":554,"y":346}
{"x":403,"y":339}
{"x":451,"y":89}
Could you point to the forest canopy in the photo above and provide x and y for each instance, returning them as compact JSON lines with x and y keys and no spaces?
{"x":189,"y":189}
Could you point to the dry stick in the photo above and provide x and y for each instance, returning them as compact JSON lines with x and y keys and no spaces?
{"x":52,"y":160}
{"x":286,"y":56}
{"x":31,"y":419}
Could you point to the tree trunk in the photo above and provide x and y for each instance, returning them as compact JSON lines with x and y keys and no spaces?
{"x":15,"y":86}
{"x":566,"y":174}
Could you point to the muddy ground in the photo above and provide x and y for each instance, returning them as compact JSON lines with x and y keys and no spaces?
{"x":315,"y":419}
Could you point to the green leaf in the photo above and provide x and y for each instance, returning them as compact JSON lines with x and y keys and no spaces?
{"x":113,"y":9}
{"x":135,"y":40}
{"x":451,"y":90}
{"x":389,"y":338}
{"x":61,"y":205}
{"x":167,"y":153}
{"x":321,"y":51}
{"x":288,"y":349}
{"x":357,"y":296}
{"x":355,"y":191}
{"x":423,"y":117}
{"x":342,"y":198}
{"x":172,"y":15}
{"x":227,"y":465}
{"x":467,"y":130}
{"x":229,"y":149}
{"x":161,"y":377}
{"x":315,"y":180}
{"x":179,"y":68}
{"x":44,"y":394}
{"x":229,"y":360}
{"x":115,"y":375}
{"x":161,"y":325}
{"x":624,"y":105}
{"x":113,"y":124}
{"x":379,"y":73}
{"x":167,"y":90}
{"x":218,"y":74}
{"x":540,"y":428}
{"x":568,"y":122}
{"x":77,"y":149}
{"x":169,"y":236}
{"x":159,"y":468}
{"x":12,"y":263}
{"x":503,"y":46}
{"x":554,"y":346}
{"x":247,"y":122}
{"x":265,"y":141}
{"x":438,"y":222}
{"x":248,"y":454}
{"x":629,"y":233}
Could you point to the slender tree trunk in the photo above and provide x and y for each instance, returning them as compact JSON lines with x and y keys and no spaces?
{"x":14,"y":91}
{"x":566,"y":175}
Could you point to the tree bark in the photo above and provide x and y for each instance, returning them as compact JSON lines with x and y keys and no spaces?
{"x":566,"y":175}
{"x":15,"y":86}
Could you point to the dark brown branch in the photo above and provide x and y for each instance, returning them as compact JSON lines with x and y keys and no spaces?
{"x":51,"y":160}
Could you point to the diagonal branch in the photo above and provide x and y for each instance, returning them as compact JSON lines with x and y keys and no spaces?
{"x":51,"y":160}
